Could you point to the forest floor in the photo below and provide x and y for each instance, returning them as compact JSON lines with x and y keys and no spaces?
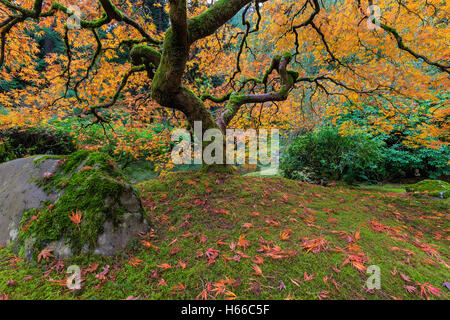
{"x":223,"y":237}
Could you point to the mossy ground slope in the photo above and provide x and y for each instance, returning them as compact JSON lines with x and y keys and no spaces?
{"x":436,"y":188}
{"x":226,"y":237}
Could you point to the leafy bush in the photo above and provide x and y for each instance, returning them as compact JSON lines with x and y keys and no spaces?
{"x":124,"y":143}
{"x":20,"y":142}
{"x":403,"y":162}
{"x":326,"y":155}
{"x":405,"y":159}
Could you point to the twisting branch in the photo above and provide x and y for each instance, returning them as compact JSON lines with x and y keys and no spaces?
{"x":110,"y":12}
{"x":207,"y":96}
{"x":8,"y":26}
{"x":316,"y":9}
{"x":317,"y":80}
{"x":248,"y":31}
{"x":97,"y":52}
{"x":287,"y":81}
{"x":123,"y":83}
{"x":212,"y":19}
{"x":69,"y":59}
{"x":247,"y":25}
{"x":401,"y":45}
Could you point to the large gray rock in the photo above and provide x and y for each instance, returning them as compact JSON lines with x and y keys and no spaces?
{"x":20,"y":191}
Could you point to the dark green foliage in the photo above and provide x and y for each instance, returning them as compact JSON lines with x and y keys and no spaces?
{"x":49,"y":42}
{"x":20,"y":142}
{"x":403,"y":162}
{"x":326,"y":155}
{"x":159,"y":16}
{"x":14,"y":84}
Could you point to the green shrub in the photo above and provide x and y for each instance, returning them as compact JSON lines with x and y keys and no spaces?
{"x":21,"y":142}
{"x":326,"y":155}
{"x":406,"y":162}
{"x":401,"y":160}
{"x":6,"y":154}
{"x":101,"y":136}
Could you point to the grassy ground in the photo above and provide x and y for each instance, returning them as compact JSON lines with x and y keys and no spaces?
{"x":220,"y":237}
{"x":389,"y":187}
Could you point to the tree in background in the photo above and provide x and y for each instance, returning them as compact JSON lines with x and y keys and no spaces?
{"x":226,"y":63}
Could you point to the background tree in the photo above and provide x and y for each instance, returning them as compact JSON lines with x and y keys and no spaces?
{"x":225,"y":63}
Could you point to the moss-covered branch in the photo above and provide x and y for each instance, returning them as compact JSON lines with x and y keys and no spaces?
{"x":287,"y":80}
{"x":123,"y":83}
{"x":212,"y":19}
{"x":142,"y":54}
{"x":167,"y":82}
{"x":401,"y":45}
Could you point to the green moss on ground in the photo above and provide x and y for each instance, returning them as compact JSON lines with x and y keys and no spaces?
{"x":435,"y":188}
{"x":92,"y":186}
{"x":384,"y":187}
{"x":197,"y":215}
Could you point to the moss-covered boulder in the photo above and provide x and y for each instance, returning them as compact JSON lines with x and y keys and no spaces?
{"x":70,"y":204}
{"x":435,"y":188}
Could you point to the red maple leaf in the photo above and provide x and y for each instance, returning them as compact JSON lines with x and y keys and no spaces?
{"x":45,"y":254}
{"x":75,"y":217}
